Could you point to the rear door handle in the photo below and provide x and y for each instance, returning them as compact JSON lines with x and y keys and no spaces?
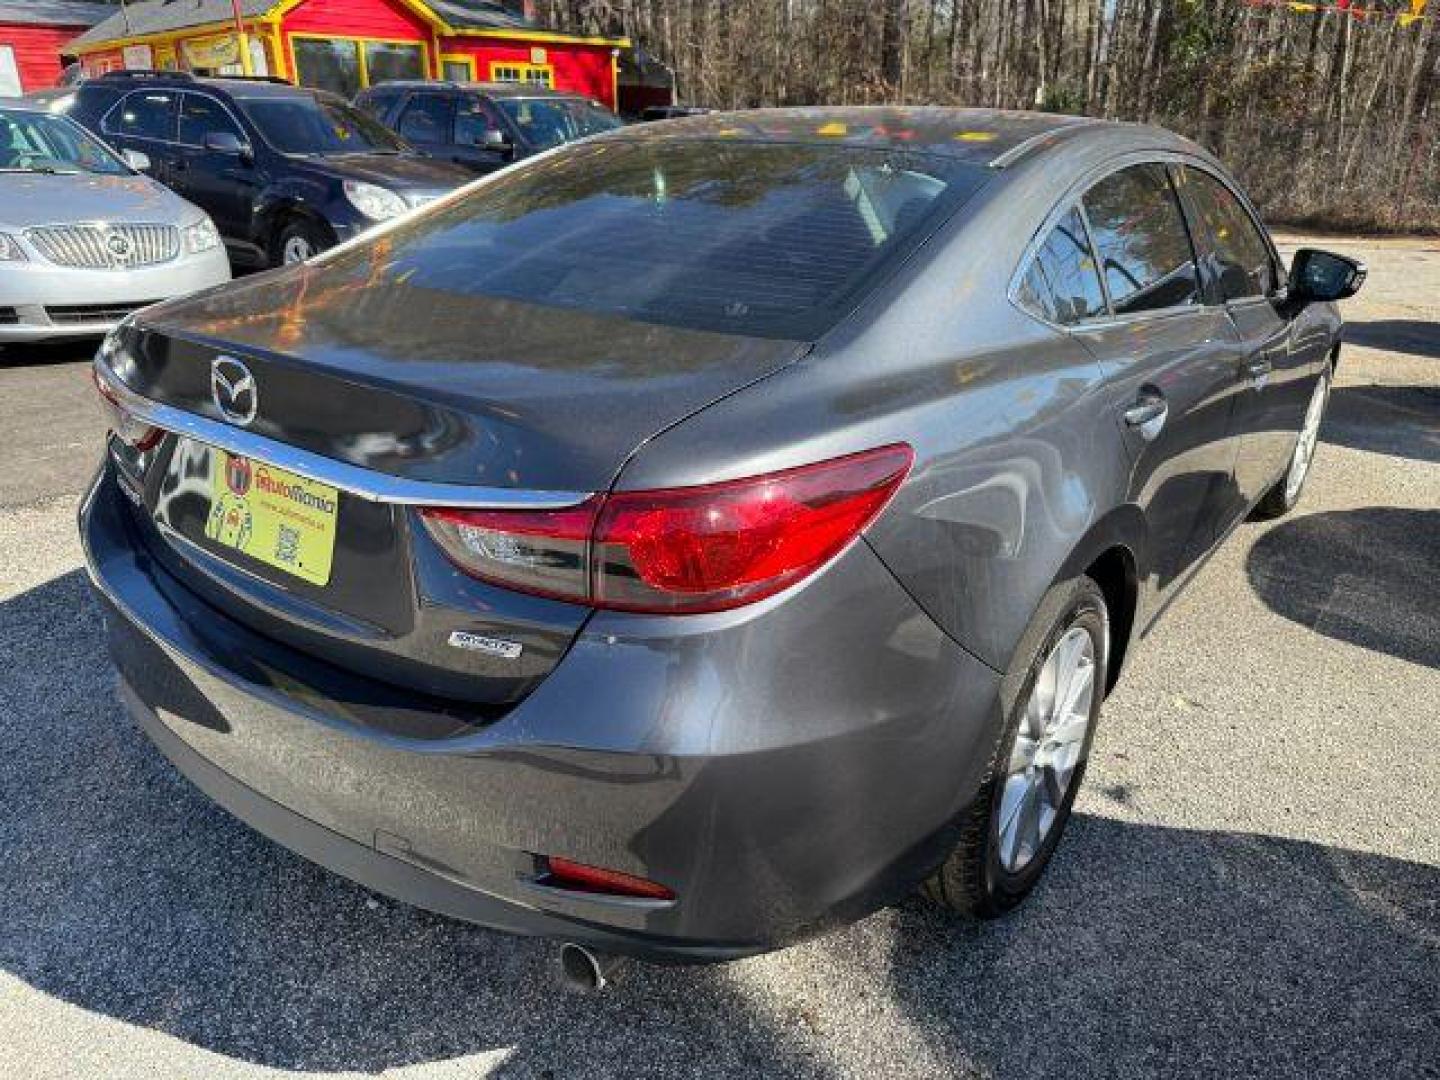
{"x":1148,"y":414}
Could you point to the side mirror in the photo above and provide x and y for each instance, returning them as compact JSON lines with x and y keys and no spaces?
{"x":136,"y":160}
{"x":225,"y":142}
{"x":1317,"y":275}
{"x":497,"y":140}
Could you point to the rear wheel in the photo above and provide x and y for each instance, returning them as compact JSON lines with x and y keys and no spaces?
{"x":1051,"y":699}
{"x":1281,"y":499}
{"x":299,"y":240}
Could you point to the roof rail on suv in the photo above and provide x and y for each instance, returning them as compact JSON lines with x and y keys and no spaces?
{"x":276,"y":79}
{"x":146,"y":73}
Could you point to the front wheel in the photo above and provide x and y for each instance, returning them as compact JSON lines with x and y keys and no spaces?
{"x":299,"y":240}
{"x":1281,"y":499}
{"x":1051,"y":700}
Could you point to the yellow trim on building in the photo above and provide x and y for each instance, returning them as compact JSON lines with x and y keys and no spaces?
{"x":209,"y":29}
{"x":521,"y":34}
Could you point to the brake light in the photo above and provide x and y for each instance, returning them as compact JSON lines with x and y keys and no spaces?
{"x":567,"y":874}
{"x":679,"y":550}
{"x":132,"y":431}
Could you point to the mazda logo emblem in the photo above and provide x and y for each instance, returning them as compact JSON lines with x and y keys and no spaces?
{"x":232,"y":388}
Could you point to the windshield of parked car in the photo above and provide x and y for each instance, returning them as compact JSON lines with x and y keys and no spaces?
{"x":42,"y":142}
{"x":748,"y":238}
{"x":318,"y":124}
{"x":547,"y":122}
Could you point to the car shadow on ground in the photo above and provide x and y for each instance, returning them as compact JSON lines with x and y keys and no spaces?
{"x":1418,"y":337}
{"x":1364,"y":576}
{"x":1399,"y":420}
{"x":125,"y":892}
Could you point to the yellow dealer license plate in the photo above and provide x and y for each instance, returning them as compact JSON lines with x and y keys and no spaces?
{"x":274,"y":516}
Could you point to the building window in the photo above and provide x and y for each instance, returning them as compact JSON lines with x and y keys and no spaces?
{"x":345,"y":65}
{"x":458,"y":69}
{"x":386,"y":61}
{"x":529,"y":74}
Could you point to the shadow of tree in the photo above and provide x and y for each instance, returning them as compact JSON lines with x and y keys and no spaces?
{"x":1399,"y":420}
{"x":1148,"y":951}
{"x":1363,"y":576}
{"x":1418,"y":337}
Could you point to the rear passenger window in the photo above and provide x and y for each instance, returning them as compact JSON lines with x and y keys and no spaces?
{"x":1141,"y":241}
{"x":146,"y":115}
{"x":1062,"y":283}
{"x":1233,"y":252}
{"x":427,"y":119}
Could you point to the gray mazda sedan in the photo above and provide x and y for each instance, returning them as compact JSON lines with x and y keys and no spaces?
{"x":708,"y":532}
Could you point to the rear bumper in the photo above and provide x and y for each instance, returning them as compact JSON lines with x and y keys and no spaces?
{"x":777,"y":783}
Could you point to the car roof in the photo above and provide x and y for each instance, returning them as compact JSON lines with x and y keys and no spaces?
{"x":22,"y":105}
{"x":489,"y":89}
{"x":994,"y":137}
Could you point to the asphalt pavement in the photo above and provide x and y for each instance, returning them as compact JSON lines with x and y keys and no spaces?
{"x":1251,"y":886}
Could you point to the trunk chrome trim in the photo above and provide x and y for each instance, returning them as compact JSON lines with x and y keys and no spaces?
{"x":352,"y":479}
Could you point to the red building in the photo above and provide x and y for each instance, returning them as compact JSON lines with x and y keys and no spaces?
{"x":33,"y":34}
{"x":344,"y":45}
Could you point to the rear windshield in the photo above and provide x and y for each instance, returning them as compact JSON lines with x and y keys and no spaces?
{"x":767,"y":240}
{"x":319,"y":124}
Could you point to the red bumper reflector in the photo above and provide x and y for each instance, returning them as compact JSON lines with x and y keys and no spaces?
{"x":565,"y":874}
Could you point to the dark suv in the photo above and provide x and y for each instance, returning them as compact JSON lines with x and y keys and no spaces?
{"x":285,"y":172}
{"x":484,"y":126}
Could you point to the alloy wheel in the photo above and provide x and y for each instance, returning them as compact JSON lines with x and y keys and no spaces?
{"x":1048,"y":748}
{"x":297,"y":249}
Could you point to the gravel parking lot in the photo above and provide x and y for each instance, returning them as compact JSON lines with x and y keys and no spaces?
{"x":1251,"y":886}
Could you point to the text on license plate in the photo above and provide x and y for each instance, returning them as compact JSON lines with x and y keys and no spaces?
{"x":274,"y":516}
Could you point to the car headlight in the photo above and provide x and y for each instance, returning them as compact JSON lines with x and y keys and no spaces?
{"x":372,"y":200}
{"x":202,"y":236}
{"x":10,"y":249}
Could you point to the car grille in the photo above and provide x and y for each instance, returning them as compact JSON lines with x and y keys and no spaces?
{"x":106,"y":247}
{"x":91,"y":313}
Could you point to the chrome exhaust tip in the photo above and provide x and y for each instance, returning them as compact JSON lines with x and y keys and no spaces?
{"x":585,"y":971}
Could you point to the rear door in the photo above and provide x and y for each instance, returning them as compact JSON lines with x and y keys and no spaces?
{"x":1276,"y":374}
{"x":146,"y":120}
{"x":222,"y":184}
{"x":1172,"y":361}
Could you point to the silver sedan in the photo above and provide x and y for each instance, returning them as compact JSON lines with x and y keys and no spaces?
{"x":84,"y":238}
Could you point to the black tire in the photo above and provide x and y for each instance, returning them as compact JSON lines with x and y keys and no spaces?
{"x":972,"y":880}
{"x":1283,"y":497}
{"x":303,"y":231}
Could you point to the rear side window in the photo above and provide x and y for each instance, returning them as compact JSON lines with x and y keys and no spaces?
{"x":1232,"y":250}
{"x":760,"y":239}
{"x":1140,"y":239}
{"x":427,"y":119}
{"x":1062,"y":283}
{"x":149,"y":114}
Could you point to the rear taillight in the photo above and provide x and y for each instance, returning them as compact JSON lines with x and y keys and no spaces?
{"x":679,"y":550}
{"x":129,"y":429}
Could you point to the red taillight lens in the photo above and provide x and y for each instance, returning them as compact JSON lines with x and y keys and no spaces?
{"x":142,"y":436}
{"x":565,"y":874}
{"x":724,"y":545}
{"x":680,"y":550}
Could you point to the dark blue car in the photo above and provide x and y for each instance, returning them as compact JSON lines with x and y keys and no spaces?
{"x":284,"y":171}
